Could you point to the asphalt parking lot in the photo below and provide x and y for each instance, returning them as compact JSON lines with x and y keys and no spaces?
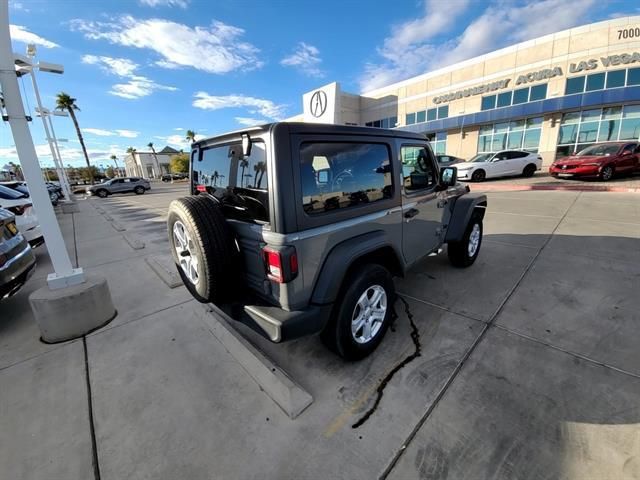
{"x":529,"y":363}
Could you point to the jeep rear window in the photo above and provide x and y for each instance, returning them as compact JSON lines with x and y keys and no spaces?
{"x":342,"y":175}
{"x":239,"y":183}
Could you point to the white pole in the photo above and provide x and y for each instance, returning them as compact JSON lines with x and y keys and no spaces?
{"x":65,"y":275}
{"x":62,"y":175}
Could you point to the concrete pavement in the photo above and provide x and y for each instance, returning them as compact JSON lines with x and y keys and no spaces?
{"x":529,"y":365}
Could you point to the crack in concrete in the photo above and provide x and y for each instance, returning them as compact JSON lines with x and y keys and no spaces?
{"x":415,"y":336}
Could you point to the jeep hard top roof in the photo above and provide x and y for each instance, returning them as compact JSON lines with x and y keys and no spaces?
{"x":309,"y":128}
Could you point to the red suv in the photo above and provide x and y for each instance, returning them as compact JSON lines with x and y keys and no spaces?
{"x":603,"y":161}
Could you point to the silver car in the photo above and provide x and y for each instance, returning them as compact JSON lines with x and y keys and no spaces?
{"x":17,"y":261}
{"x":120,"y":185}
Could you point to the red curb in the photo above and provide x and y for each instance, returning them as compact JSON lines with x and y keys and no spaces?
{"x":570,"y":188}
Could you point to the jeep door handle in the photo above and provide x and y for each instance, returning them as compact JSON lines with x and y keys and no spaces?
{"x":412,"y":212}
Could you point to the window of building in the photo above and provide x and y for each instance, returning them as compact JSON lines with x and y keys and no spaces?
{"x":421,"y":116}
{"x":384,"y":123}
{"x":519,"y":134}
{"x":443,"y":112}
{"x":578,"y":130}
{"x":538,"y":92}
{"x":432,"y":114}
{"x":520,"y":96}
{"x":438,"y":142}
{"x":574,"y":85}
{"x":343,"y":175}
{"x":633,"y":76}
{"x":488,"y":102}
{"x":393,"y":122}
{"x":376,"y":123}
{"x":595,"y":82}
{"x":418,"y":170}
{"x":616,"y":78}
{"x":410,"y":119}
{"x":504,"y":99}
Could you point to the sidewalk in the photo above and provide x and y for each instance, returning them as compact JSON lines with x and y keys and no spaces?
{"x":543,"y":181}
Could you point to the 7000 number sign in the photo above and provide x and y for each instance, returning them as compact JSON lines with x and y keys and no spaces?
{"x":629,"y":33}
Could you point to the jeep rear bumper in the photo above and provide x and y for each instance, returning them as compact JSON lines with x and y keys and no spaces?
{"x":280,"y":325}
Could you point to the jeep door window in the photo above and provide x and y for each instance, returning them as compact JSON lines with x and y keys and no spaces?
{"x":342,"y":175}
{"x":418,"y":171}
{"x":239,"y":183}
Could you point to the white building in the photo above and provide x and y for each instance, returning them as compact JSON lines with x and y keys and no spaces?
{"x":148,"y":164}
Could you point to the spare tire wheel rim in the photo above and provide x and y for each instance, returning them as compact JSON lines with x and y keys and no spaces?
{"x":187,"y":256}
{"x":368,"y":314}
{"x":474,"y":240}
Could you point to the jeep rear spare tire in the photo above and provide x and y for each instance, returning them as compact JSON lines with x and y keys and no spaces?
{"x":203,"y":248}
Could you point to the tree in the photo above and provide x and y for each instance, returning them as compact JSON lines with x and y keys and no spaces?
{"x":66,"y":102}
{"x":115,"y":160}
{"x":110,"y":173}
{"x":132,"y":151}
{"x":179,"y":163}
{"x":244,"y":163}
{"x":190,"y":136}
{"x":259,"y":168}
{"x":16,"y":170}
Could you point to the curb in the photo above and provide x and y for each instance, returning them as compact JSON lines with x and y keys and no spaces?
{"x":561,"y":187}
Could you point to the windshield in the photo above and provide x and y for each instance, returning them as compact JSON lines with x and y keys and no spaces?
{"x":239,"y":183}
{"x":599,"y":150}
{"x":481,"y":157}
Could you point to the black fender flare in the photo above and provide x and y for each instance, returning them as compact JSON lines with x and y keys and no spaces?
{"x":461,"y":213}
{"x":343,"y":256}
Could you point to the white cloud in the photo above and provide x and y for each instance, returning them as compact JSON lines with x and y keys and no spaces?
{"x":136,"y":86}
{"x":179,"y":129}
{"x":127,"y":133}
{"x":165,"y":3}
{"x":122,"y":67}
{"x":110,"y":133}
{"x":178,"y":141}
{"x":215,"y":49}
{"x":98,"y":131}
{"x":306,"y":59}
{"x":18,"y":6}
{"x":20,"y":34}
{"x":250,"y":122}
{"x":254,"y":105}
{"x":412,"y":49}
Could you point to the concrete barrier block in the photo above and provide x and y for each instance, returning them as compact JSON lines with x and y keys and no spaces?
{"x":165,"y":268}
{"x":133,"y":241}
{"x":67,"y":313}
{"x":117,"y":226}
{"x":275,"y":382}
{"x":69,"y":207}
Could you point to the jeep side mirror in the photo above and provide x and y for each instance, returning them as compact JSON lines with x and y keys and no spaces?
{"x":448,"y":176}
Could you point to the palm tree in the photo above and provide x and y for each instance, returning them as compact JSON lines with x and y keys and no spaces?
{"x":261,"y":168}
{"x":153,"y":150}
{"x":115,"y":160}
{"x":190,"y":136}
{"x":66,"y":102}
{"x":132,"y":151}
{"x":243,"y":164}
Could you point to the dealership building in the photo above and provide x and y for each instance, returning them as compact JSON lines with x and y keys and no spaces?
{"x":553,"y":95}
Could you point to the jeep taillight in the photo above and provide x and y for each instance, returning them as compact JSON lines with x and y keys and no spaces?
{"x":281,"y":263}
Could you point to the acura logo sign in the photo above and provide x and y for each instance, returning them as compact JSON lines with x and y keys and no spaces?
{"x":318,"y":104}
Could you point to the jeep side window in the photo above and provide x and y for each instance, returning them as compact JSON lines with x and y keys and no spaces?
{"x":418,"y":171}
{"x":341,"y":175}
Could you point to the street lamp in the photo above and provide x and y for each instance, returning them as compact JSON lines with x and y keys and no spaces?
{"x":46,"y":114}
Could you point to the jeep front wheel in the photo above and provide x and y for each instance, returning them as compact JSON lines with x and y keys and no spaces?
{"x":463,"y":253}
{"x":203,"y":248}
{"x":363,"y":313}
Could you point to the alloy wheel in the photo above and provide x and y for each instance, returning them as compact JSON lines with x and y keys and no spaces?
{"x":188,"y":258}
{"x":369,"y":314}
{"x":474,"y":240}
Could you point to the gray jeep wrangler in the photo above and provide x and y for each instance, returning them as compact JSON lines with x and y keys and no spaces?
{"x":297,"y":228}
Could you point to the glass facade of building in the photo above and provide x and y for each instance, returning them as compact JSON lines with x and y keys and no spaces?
{"x":427,"y":115}
{"x":599,"y":81}
{"x":579,"y":130}
{"x":438,"y":142}
{"x":515,"y":97}
{"x":517,"y":135}
{"x":389,"y":122}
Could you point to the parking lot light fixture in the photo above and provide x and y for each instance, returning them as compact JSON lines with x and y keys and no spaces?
{"x":45,"y":114}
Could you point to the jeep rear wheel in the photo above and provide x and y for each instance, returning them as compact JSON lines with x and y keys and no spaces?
{"x":363,"y":313}
{"x":203,"y":248}
{"x":463,"y":253}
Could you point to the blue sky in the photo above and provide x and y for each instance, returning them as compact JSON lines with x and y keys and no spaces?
{"x":147,"y":70}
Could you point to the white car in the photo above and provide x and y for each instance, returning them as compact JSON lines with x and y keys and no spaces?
{"x":26,"y":220}
{"x":506,"y":163}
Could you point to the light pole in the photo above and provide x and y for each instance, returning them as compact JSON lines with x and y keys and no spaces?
{"x":55,"y":144}
{"x":71,"y":304}
{"x":45,"y":114}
